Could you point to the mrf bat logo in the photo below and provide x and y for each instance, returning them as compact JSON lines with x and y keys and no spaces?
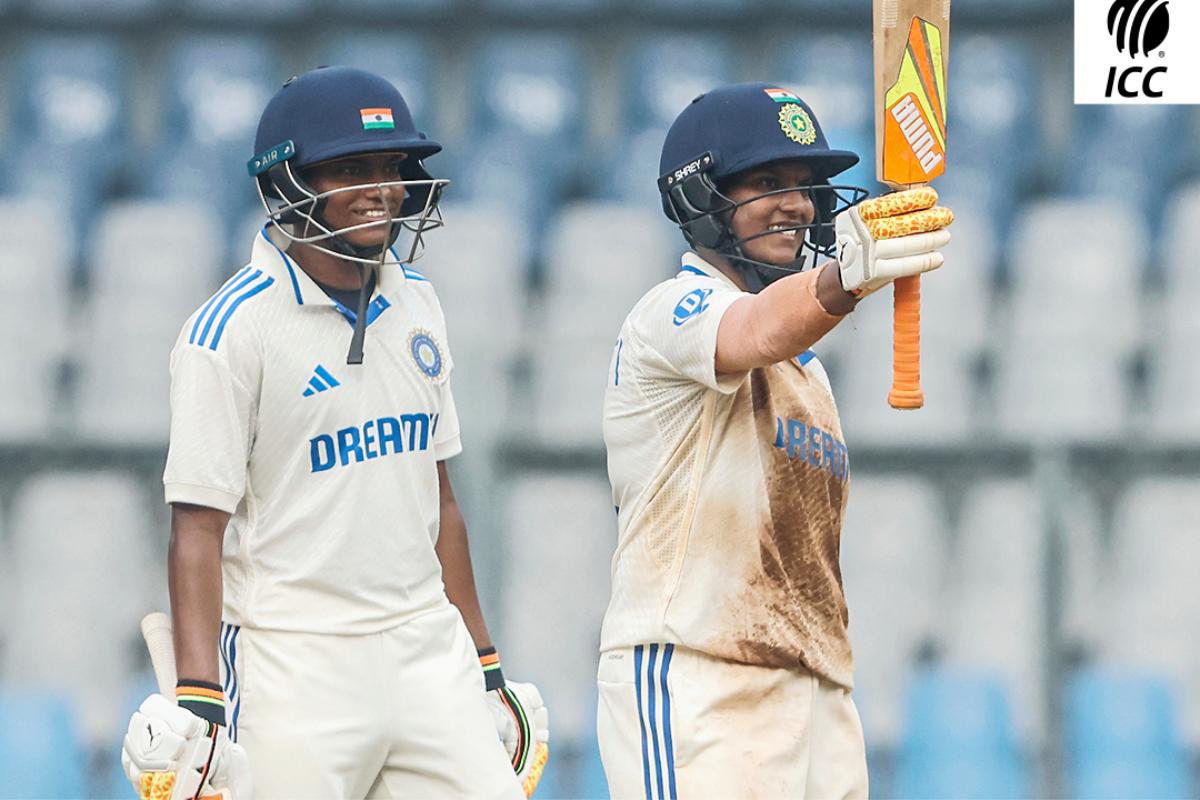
{"x":914,"y":134}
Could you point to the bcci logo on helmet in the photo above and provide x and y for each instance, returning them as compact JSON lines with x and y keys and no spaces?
{"x":1139,"y":25}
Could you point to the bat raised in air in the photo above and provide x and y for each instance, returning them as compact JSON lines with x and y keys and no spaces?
{"x":911,"y":45}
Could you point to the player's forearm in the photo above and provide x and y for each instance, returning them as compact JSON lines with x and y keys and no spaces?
{"x":194,"y":579}
{"x":458,"y":575}
{"x":782,"y":321}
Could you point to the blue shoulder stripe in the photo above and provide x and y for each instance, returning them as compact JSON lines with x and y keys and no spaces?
{"x":412,"y":274}
{"x":211,"y":314}
{"x":243,"y":297}
{"x":690,"y":268}
{"x":204,"y":310}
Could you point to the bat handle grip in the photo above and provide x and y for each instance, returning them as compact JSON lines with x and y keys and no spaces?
{"x":906,"y":345}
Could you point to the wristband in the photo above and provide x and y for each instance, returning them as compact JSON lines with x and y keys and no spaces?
{"x":493,"y":678}
{"x":204,"y":699}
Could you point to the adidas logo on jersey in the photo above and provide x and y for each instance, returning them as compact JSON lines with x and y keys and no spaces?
{"x":321,"y":381}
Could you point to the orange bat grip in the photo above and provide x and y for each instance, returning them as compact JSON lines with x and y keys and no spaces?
{"x":906,"y":344}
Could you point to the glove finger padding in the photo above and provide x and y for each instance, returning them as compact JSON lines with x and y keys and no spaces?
{"x":524,"y":726}
{"x":897,"y":203}
{"x":923,"y":221}
{"x":170,"y":754}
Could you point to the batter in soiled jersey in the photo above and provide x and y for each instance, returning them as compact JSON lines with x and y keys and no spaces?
{"x":726,"y":668}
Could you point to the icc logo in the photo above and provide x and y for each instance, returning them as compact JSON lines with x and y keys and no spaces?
{"x":1139,"y":27}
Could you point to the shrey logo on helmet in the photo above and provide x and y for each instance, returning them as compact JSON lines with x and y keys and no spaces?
{"x":1140,"y":26}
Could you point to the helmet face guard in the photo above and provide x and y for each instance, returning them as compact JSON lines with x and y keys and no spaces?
{"x":297,"y":209}
{"x":705,"y":216}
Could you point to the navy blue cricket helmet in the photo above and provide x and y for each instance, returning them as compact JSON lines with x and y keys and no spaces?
{"x":330,"y":113}
{"x":735,"y":128}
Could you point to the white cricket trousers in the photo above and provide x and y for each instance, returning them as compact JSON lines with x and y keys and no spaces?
{"x":675,"y":723}
{"x":400,"y":713}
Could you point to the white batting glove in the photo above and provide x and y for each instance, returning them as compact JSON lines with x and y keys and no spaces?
{"x":890,"y":237}
{"x":522,"y":721}
{"x":169,"y":753}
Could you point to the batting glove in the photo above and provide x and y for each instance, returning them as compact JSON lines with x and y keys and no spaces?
{"x":890,"y":237}
{"x":169,"y":753}
{"x":521,"y":720}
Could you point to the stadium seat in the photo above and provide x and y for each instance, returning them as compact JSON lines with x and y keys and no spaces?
{"x":1122,"y":737}
{"x":1175,"y":375}
{"x":69,"y":117}
{"x":1102,"y":137}
{"x":532,"y":84}
{"x":34,"y":291}
{"x":994,"y":617}
{"x":959,"y":741}
{"x":376,"y":10}
{"x":1151,"y":594}
{"x":549,"y":9}
{"x":893,"y":557}
{"x":699,"y":9}
{"x":994,"y":149}
{"x":662,"y":74}
{"x":1072,"y":329}
{"x":406,"y":60}
{"x":238,"y":11}
{"x":593,"y":280}
{"x":124,"y":380}
{"x":214,"y":92}
{"x":88,"y":532}
{"x":40,"y":751}
{"x":560,"y":532}
{"x":119,"y":11}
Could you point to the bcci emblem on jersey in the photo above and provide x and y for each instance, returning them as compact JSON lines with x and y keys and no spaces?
{"x":425,"y":353}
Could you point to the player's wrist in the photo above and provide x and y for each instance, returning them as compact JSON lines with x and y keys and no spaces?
{"x":203,"y":698}
{"x":489,"y":660}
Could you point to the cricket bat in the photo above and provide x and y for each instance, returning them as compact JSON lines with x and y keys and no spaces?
{"x":911,"y":45}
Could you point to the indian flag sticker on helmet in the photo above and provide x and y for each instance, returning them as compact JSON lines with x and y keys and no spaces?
{"x":796,"y":124}
{"x":781,"y":95}
{"x":377,"y":119}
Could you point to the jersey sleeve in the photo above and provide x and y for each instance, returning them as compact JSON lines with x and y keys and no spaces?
{"x":447,"y":442}
{"x":676,"y":330}
{"x":213,"y":409}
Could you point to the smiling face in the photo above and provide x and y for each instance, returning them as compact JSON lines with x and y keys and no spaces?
{"x":778,"y":211}
{"x":366,"y":205}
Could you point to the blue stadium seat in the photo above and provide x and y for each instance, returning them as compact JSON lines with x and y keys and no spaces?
{"x":699,"y":8}
{"x":68,"y":120}
{"x":406,"y":60}
{"x":40,"y":751}
{"x":238,"y":10}
{"x":959,"y":741}
{"x":548,"y":9}
{"x":531,"y":84}
{"x":376,"y":9}
{"x":995,"y":144}
{"x":1122,"y":737}
{"x":216,"y":88}
{"x":1100,"y":162}
{"x":663,"y":73}
{"x":114,"y":10}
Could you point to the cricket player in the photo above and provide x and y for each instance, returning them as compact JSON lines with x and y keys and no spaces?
{"x":328,"y":637}
{"x":725,"y":666}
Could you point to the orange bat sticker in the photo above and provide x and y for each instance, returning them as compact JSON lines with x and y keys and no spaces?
{"x":914,"y":135}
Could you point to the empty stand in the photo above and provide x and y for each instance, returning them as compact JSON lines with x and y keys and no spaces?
{"x":1123,"y":736}
{"x":40,"y":751}
{"x":559,"y":533}
{"x":69,"y":115}
{"x":893,"y":557}
{"x":265,"y":10}
{"x":154,"y":264}
{"x":600,"y":259}
{"x":1074,"y":320}
{"x":662,"y":74}
{"x":960,"y":741}
{"x":1150,"y":594}
{"x":35,"y":303}
{"x":994,"y":606}
{"x":87,"y":531}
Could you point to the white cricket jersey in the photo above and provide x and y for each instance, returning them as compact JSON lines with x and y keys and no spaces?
{"x":730,"y":491}
{"x":329,"y":470}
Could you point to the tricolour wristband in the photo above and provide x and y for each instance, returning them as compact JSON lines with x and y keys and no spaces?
{"x":489,"y":659}
{"x":204,"y":699}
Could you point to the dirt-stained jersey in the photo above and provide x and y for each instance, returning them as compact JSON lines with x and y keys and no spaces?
{"x":329,"y":470}
{"x":730,"y":491}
